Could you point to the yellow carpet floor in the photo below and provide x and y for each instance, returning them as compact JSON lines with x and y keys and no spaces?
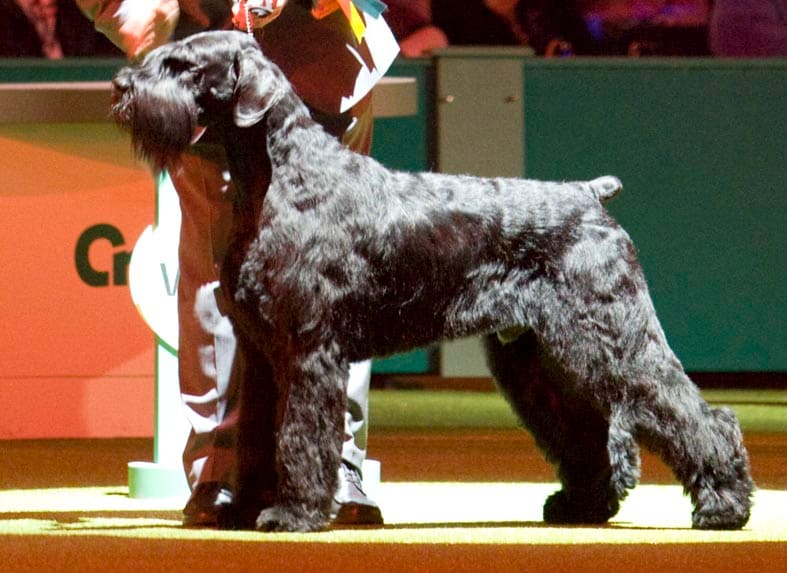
{"x":414,"y":512}
{"x":430,"y":526}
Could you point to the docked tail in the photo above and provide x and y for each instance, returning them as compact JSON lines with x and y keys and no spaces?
{"x":605,"y":187}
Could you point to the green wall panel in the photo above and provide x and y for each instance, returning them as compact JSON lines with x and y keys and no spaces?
{"x":406,"y":142}
{"x":700,"y":147}
{"x":24,"y":70}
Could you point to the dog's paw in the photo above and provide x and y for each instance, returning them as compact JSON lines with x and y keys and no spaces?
{"x":728,"y":519}
{"x":234,"y":517}
{"x":724,"y":508}
{"x":290,"y":518}
{"x":560,"y":509}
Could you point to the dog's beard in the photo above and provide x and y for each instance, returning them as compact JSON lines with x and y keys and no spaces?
{"x":160,"y":121}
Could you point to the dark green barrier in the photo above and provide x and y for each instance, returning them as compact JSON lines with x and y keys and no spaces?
{"x":700,"y":147}
{"x":25,"y":70}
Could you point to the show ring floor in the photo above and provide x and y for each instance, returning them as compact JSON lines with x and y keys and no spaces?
{"x":415,"y":512}
{"x":462,"y":490}
{"x":431,"y":527}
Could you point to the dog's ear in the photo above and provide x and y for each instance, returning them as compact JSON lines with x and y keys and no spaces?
{"x":257,"y":88}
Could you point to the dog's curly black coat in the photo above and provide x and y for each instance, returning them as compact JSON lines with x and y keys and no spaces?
{"x":335,"y":258}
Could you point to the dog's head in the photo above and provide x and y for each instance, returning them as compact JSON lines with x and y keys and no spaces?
{"x":206,"y":79}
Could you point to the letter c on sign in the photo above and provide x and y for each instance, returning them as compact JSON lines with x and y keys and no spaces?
{"x":87,"y":273}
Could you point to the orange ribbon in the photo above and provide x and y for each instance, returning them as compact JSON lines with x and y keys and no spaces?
{"x":353,"y":15}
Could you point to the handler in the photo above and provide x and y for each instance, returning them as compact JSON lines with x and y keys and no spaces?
{"x":333,"y":53}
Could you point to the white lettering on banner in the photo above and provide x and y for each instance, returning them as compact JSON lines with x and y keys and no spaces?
{"x":171,"y":290}
{"x":154,"y":271}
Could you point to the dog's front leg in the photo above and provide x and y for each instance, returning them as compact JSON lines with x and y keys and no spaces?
{"x":312,"y":400}
{"x":256,"y":481}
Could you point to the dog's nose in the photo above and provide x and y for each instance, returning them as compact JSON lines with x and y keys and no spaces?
{"x":120,"y":85}
{"x":121,"y":82}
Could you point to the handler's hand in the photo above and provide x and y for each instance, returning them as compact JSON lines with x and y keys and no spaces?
{"x":146,"y":24}
{"x":260,"y":13}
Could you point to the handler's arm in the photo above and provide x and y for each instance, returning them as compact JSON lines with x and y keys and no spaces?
{"x":135,"y":26}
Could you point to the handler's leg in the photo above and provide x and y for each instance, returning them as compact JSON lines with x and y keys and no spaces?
{"x":207,"y":349}
{"x":350,"y":503}
{"x":207,"y":344}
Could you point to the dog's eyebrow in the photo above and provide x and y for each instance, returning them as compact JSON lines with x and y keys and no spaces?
{"x":182,"y":58}
{"x":176,"y":63}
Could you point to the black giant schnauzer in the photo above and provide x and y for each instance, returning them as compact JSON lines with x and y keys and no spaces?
{"x":335,"y":259}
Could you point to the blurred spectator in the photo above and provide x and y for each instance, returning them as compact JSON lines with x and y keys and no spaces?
{"x":411,"y":23}
{"x":550,"y":27}
{"x":632,"y":12}
{"x":49,"y":29}
{"x":472,"y":23}
{"x":749,"y":28}
{"x":648,"y":27}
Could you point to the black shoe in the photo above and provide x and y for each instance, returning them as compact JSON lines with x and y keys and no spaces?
{"x":350,"y":504}
{"x":206,"y":502}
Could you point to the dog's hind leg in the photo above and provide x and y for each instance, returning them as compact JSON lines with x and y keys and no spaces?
{"x":596,"y":317}
{"x":625,"y":366}
{"x":311,"y":406}
{"x":702,"y":445}
{"x":622,"y":362}
{"x":571,"y":431}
